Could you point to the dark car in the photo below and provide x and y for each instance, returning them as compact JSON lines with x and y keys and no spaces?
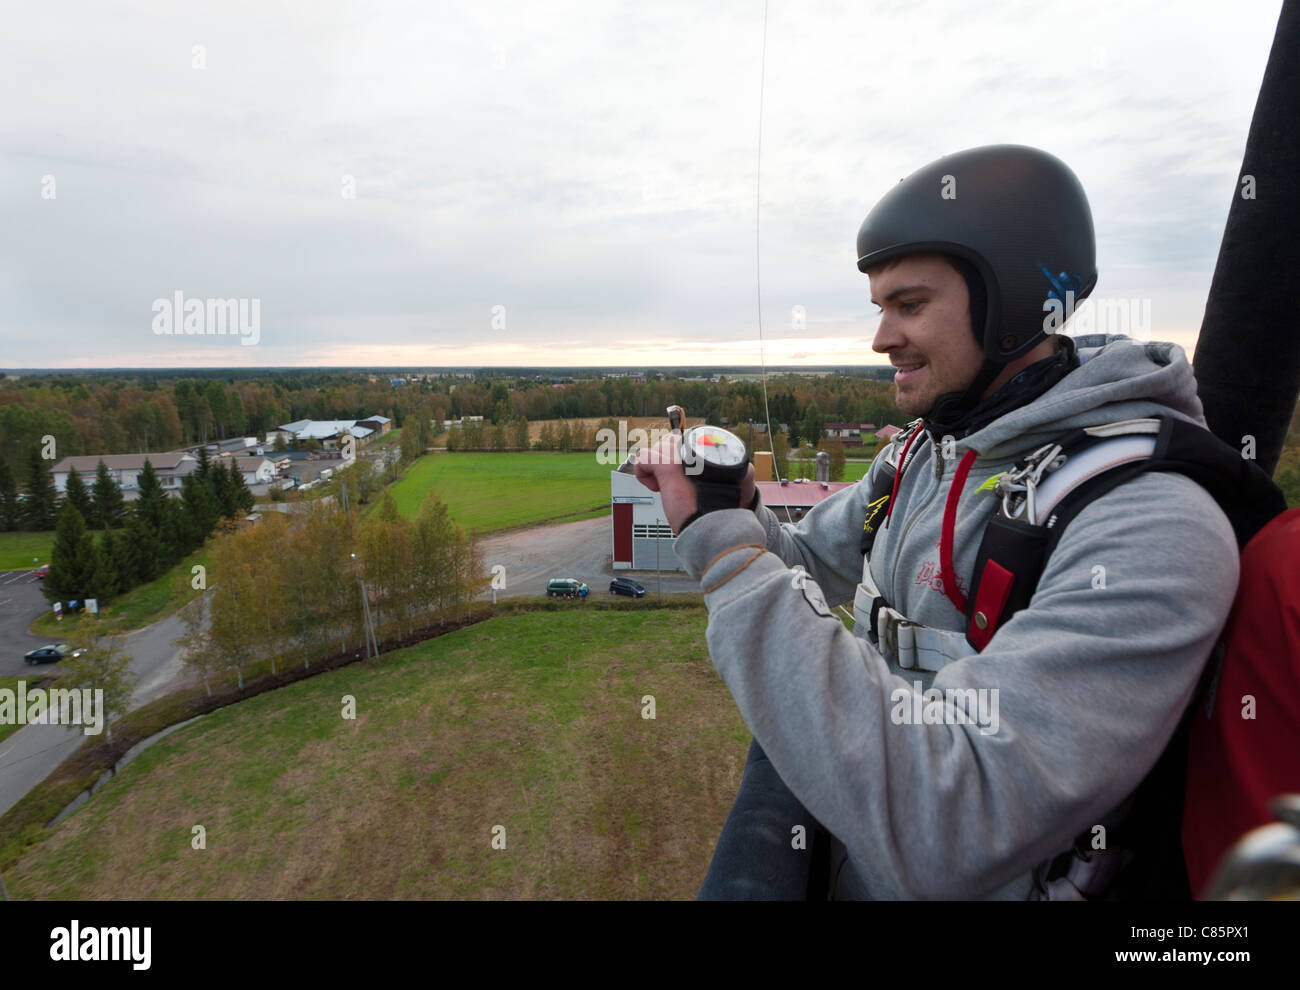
{"x":51,"y":654}
{"x":626,"y":586}
{"x":566,"y":588}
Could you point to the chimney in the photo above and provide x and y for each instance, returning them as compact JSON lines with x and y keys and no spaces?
{"x":763,"y":465}
{"x":823,"y":466}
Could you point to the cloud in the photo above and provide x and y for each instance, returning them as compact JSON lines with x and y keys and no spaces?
{"x":591,"y":168}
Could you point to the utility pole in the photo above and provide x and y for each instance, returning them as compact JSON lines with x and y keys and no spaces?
{"x":368,"y":623}
{"x":658,"y":576}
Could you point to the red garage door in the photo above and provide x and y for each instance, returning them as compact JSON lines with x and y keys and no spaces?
{"x":623,"y":532}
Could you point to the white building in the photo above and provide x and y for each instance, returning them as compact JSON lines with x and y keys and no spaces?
{"x":328,"y":432}
{"x":171,"y":468}
{"x":256,"y":469}
{"x":639,"y":527}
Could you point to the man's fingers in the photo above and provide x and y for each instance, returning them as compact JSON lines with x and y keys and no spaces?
{"x":646,"y":475}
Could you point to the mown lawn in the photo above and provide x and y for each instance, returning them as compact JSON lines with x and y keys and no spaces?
{"x":17,"y":550}
{"x":531,"y":722}
{"x":489,"y":492}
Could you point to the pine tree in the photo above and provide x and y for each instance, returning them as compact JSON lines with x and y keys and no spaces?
{"x":73,"y":559}
{"x":243,"y":497}
{"x":109,"y":506}
{"x":77,"y":495}
{"x":200,"y":512}
{"x":8,"y":499}
{"x":172,"y":534}
{"x":40,"y":510}
{"x":149,"y":504}
{"x":102,"y":584}
{"x":147,"y":549}
{"x":205,"y":466}
{"x":222,"y":490}
{"x":123,"y":554}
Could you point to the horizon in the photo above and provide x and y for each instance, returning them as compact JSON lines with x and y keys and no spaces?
{"x":575,"y":180}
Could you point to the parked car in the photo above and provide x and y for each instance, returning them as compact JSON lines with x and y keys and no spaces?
{"x":626,"y":586}
{"x":43,"y":571}
{"x":566,"y":588}
{"x":52,"y":653}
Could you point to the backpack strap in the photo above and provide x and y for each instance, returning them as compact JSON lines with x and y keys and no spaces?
{"x":1080,"y":468}
{"x":1143,"y":859}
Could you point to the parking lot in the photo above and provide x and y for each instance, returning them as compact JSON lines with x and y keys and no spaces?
{"x":581,"y":550}
{"x":21,"y":601}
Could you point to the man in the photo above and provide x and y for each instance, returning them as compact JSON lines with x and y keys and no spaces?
{"x":973,"y":260}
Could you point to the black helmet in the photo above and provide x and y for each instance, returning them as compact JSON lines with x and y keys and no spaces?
{"x":1017,"y":214}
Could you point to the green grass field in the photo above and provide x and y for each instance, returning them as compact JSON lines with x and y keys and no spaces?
{"x":490,"y":492}
{"x":18,"y":549}
{"x":532,"y":722}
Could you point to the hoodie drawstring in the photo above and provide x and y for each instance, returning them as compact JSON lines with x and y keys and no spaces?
{"x":946,"y":573}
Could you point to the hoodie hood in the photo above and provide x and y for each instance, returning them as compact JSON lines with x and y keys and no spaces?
{"x":1117,"y":378}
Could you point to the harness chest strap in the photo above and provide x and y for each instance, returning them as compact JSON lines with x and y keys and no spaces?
{"x":914,"y":646}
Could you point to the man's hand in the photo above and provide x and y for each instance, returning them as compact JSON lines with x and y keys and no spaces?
{"x":660,"y":469}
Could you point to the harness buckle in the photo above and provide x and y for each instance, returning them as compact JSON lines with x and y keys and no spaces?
{"x":897,"y":637}
{"x":1018,"y":486}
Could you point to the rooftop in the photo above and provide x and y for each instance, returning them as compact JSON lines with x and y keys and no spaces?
{"x":168,"y":460}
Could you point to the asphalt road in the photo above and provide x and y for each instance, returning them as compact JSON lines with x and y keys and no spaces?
{"x":21,"y":601}
{"x":32,"y":753}
{"x":531,"y":557}
{"x":581,"y":550}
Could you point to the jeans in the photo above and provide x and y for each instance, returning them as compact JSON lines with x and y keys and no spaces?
{"x":755,"y":859}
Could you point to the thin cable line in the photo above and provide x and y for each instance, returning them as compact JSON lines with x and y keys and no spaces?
{"x":758,"y":222}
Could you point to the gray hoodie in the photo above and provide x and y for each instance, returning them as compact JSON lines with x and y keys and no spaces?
{"x":1088,"y":681}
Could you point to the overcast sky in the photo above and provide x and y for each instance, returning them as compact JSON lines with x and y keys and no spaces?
{"x":590,"y":168}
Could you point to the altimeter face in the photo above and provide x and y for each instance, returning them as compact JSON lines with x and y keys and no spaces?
{"x":713,"y":448}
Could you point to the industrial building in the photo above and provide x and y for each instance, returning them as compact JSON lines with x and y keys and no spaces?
{"x":642,"y":539}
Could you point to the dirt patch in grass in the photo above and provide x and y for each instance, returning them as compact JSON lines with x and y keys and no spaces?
{"x":531,"y":722}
